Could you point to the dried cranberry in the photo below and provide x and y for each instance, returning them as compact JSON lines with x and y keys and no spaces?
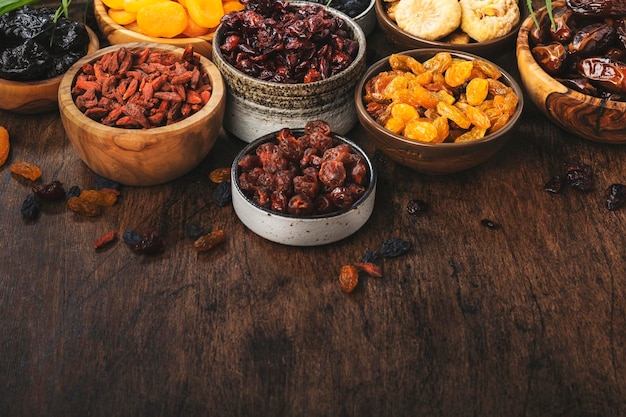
{"x":555,"y":184}
{"x":615,"y":196}
{"x":416,"y":207}
{"x":580,"y":176}
{"x":150,"y":243}
{"x":50,"y":192}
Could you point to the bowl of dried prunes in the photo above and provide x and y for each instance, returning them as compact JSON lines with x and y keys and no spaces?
{"x":303,"y":186}
{"x":574,"y":73}
{"x":36,"y":49}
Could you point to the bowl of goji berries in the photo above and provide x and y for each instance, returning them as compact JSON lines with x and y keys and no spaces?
{"x":303,"y":186}
{"x":438,"y":111}
{"x":36,"y":51}
{"x":285,"y":63}
{"x":142,"y":113}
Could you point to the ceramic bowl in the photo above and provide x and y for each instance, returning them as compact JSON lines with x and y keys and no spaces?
{"x":405,"y":40}
{"x":142,"y":157}
{"x":294,"y":230}
{"x":118,"y":34}
{"x":367,"y":19}
{"x":256,"y":107}
{"x":588,"y":117}
{"x":36,"y":97}
{"x":435,"y":158}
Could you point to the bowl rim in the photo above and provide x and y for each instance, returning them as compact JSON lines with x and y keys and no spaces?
{"x":368,"y":9}
{"x":218,"y":93}
{"x":384,"y":18}
{"x":93,"y":39}
{"x":251,"y":147}
{"x":356,"y":63}
{"x":380,"y":65}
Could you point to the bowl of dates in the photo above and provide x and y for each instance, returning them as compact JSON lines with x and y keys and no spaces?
{"x":575,"y":73}
{"x":173,"y":23}
{"x":438,"y":111}
{"x":142,"y":113}
{"x":285,"y":63}
{"x":483,"y":27}
{"x":34,"y":55}
{"x":304,"y":186}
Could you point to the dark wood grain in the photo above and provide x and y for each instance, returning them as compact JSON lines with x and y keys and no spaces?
{"x":525,"y":320}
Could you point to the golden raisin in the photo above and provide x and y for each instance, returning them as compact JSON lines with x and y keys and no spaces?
{"x":422,"y":130}
{"x":476,"y":91}
{"x":348,"y":278}
{"x":473,"y":134}
{"x":101,"y":198}
{"x":83,"y":207}
{"x":209,"y":241}
{"x":454,"y":114}
{"x":438,"y":63}
{"x":458,"y":73}
{"x":26,"y":170}
{"x":220,"y":175}
{"x":5,"y":145}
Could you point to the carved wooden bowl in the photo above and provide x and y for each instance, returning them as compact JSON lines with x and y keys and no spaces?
{"x":117,"y":34}
{"x":143,"y":157}
{"x":406,"y":40}
{"x":434,"y":158}
{"x":36,"y":96}
{"x":583,"y":115}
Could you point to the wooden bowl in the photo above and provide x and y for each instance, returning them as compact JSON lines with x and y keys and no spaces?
{"x":309,"y":230}
{"x":118,"y":34}
{"x":583,"y":115}
{"x":434,"y":158}
{"x":34,"y":97}
{"x":143,"y":157}
{"x":406,"y":40}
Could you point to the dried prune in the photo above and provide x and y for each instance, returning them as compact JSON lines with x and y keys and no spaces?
{"x":193,"y":230}
{"x":50,"y":192}
{"x":417,"y":206}
{"x":394,"y":247}
{"x":30,"y":207}
{"x":580,"y":176}
{"x":615,"y":196}
{"x":222,"y":194}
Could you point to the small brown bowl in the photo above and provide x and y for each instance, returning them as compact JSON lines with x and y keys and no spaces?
{"x":406,"y":40}
{"x":588,"y":117}
{"x":36,"y":97}
{"x":434,"y":158}
{"x":118,"y":34}
{"x":143,"y":157}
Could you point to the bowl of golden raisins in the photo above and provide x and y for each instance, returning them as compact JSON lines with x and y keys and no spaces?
{"x":438,"y":111}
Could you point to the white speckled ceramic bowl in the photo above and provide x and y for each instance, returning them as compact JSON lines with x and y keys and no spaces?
{"x":255,"y":107}
{"x":293,"y":230}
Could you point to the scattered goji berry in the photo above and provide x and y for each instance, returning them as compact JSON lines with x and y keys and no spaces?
{"x":105,"y":239}
{"x":5,"y":145}
{"x":83,"y":207}
{"x":369,"y":268}
{"x":209,"y":241}
{"x":26,"y":170}
{"x":220,"y":175}
{"x":50,"y":192}
{"x":348,"y":278}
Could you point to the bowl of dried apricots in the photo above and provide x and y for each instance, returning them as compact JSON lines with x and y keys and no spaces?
{"x":172,"y":22}
{"x":142,"y":113}
{"x":482,"y":27}
{"x":438,"y":111}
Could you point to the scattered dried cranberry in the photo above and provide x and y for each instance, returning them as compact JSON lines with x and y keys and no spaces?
{"x":395,"y":247}
{"x":554,"y":184}
{"x":615,"y":196}
{"x":416,"y":207}
{"x":490,"y":224}
{"x":50,"y":192}
{"x":580,"y":176}
{"x":150,"y":243}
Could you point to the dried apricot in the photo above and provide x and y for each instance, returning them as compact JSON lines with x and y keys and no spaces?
{"x":194,"y":30}
{"x":233,"y":6}
{"x":26,"y":170}
{"x":162,"y":19}
{"x":207,"y":13}
{"x":5,"y":145}
{"x":114,"y":4}
{"x":122,"y":17}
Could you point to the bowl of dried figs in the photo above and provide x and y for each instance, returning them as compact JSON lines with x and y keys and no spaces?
{"x":34,"y":55}
{"x":438,"y":111}
{"x":303,"y":186}
{"x":285,"y":63}
{"x":178,"y":23}
{"x":142,"y":113}
{"x":482,"y":27}
{"x":575,"y":75}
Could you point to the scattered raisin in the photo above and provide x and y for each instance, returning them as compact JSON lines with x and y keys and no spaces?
{"x":101,"y":197}
{"x":222,"y":194}
{"x":74,"y":191}
{"x":50,"y":192}
{"x":102,"y":183}
{"x":83,"y":207}
{"x":30,"y":207}
{"x":26,"y":170}
{"x":395,"y":247}
{"x":489,"y":224}
{"x":554,"y":184}
{"x":369,"y":256}
{"x":193,"y":230}
{"x":416,"y":207}
{"x":209,"y":241}
{"x":348,"y":278}
{"x":131,"y":238}
{"x":580,"y":176}
{"x":220,"y":175}
{"x":615,"y":196}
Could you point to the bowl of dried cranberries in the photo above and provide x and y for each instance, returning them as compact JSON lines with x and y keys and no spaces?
{"x":438,"y":111}
{"x":142,"y":113}
{"x":285,"y":63}
{"x":303,"y":186}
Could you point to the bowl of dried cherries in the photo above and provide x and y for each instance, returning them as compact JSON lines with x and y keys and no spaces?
{"x":483,"y":27}
{"x":438,"y":111}
{"x":35,"y":52}
{"x":142,"y":113}
{"x":304,"y":186}
{"x":575,"y":72}
{"x":285,"y":63}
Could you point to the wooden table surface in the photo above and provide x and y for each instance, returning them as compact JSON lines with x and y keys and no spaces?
{"x":525,"y":320}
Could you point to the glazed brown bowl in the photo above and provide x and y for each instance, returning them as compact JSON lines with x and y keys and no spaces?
{"x":118,"y":34}
{"x":148,"y":156}
{"x":434,"y":158}
{"x":405,"y":40}
{"x":34,"y":97}
{"x":583,"y":115}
